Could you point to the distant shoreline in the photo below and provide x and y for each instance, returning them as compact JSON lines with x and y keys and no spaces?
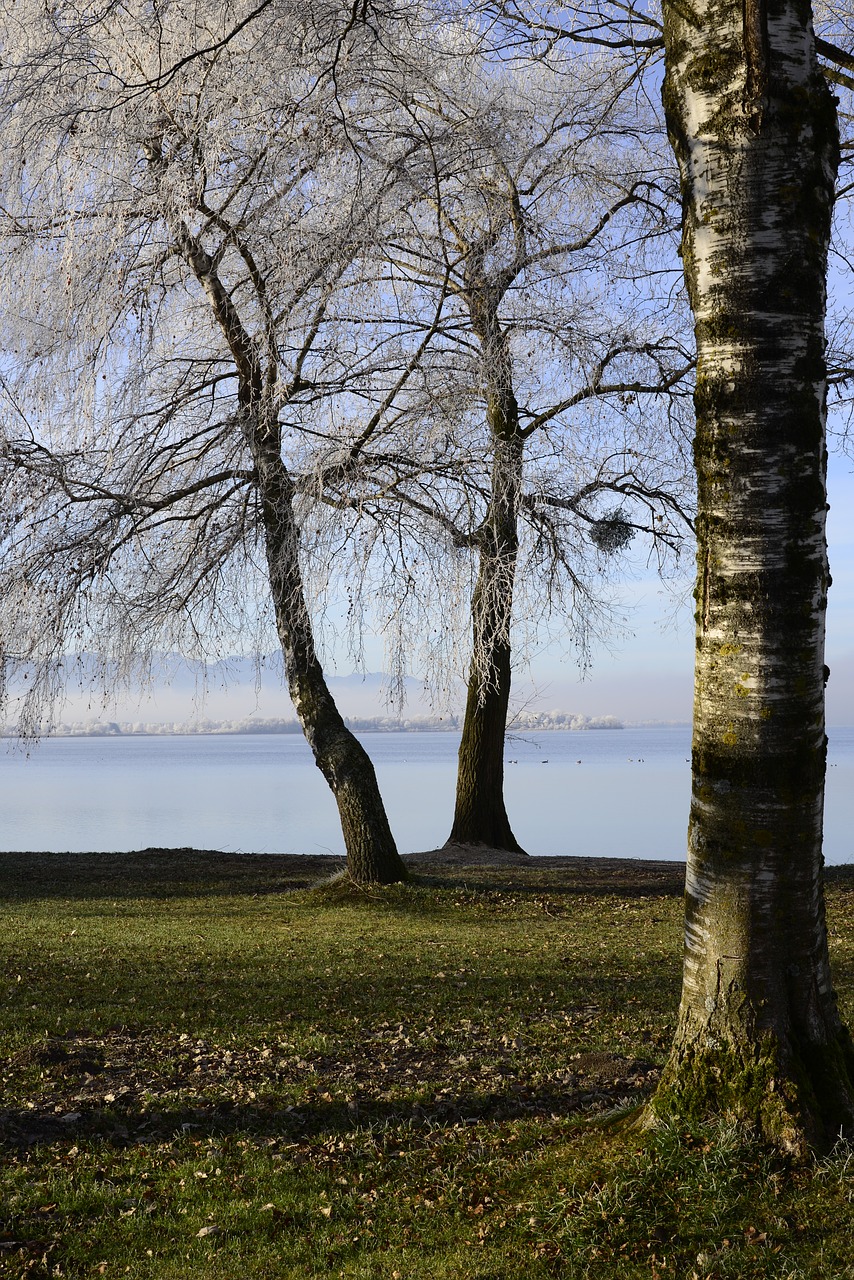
{"x":548,"y":722}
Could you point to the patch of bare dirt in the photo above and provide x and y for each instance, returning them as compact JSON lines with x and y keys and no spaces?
{"x":630,"y":876}
{"x":470,"y":855}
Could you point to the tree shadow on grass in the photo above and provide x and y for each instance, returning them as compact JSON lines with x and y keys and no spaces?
{"x":161,"y":874}
{"x":318,"y":1122}
{"x":540,"y":878}
{"x":158,"y":874}
{"x":175,"y":873}
{"x":126,"y":1087}
{"x":591,"y":878}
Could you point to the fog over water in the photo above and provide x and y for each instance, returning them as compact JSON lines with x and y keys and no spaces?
{"x":613,"y":793}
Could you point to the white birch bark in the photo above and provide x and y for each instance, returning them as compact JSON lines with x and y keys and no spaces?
{"x":754,"y":129}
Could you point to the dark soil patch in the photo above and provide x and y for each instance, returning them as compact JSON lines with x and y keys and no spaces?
{"x":210,"y":873}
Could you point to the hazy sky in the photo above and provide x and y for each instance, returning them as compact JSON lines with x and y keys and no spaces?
{"x":650,"y":675}
{"x":647,"y":676}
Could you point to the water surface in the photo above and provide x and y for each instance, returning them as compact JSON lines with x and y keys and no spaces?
{"x":610,"y":793}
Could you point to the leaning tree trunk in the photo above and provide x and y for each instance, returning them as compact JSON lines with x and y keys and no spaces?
{"x":372,"y":856}
{"x":754,"y":129}
{"x":479,"y":813}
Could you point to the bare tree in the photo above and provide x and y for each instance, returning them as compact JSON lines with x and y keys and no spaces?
{"x":541,"y":203}
{"x":180,"y":266}
{"x":301,"y":292}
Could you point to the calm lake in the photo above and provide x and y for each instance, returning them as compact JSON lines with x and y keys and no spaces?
{"x":610,"y":793}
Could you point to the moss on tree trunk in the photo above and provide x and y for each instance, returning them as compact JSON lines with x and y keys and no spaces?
{"x":753,"y":126}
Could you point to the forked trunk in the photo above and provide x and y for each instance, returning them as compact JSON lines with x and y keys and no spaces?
{"x":480,"y":816}
{"x":372,"y":856}
{"x":754,"y":129}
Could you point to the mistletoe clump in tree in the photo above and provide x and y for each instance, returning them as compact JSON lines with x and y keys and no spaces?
{"x":546,"y":427}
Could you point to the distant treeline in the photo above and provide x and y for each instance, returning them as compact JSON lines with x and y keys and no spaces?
{"x":524,"y":722}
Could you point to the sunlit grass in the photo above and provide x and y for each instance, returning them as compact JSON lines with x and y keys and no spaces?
{"x":209,"y":1075}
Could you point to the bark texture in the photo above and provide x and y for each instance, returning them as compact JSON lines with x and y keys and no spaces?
{"x":480,"y":816}
{"x":754,"y":129}
{"x":372,"y":856}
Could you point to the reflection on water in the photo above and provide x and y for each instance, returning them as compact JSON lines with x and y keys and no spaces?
{"x":612,"y":793}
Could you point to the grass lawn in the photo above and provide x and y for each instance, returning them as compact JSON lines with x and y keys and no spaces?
{"x":210,"y":1071}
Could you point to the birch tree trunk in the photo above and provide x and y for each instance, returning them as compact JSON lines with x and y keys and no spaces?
{"x":754,"y":129}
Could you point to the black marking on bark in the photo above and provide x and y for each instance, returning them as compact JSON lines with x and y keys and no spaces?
{"x":705,"y":602}
{"x":755,"y":21}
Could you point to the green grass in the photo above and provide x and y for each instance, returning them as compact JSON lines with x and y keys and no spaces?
{"x":211,"y":1071}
